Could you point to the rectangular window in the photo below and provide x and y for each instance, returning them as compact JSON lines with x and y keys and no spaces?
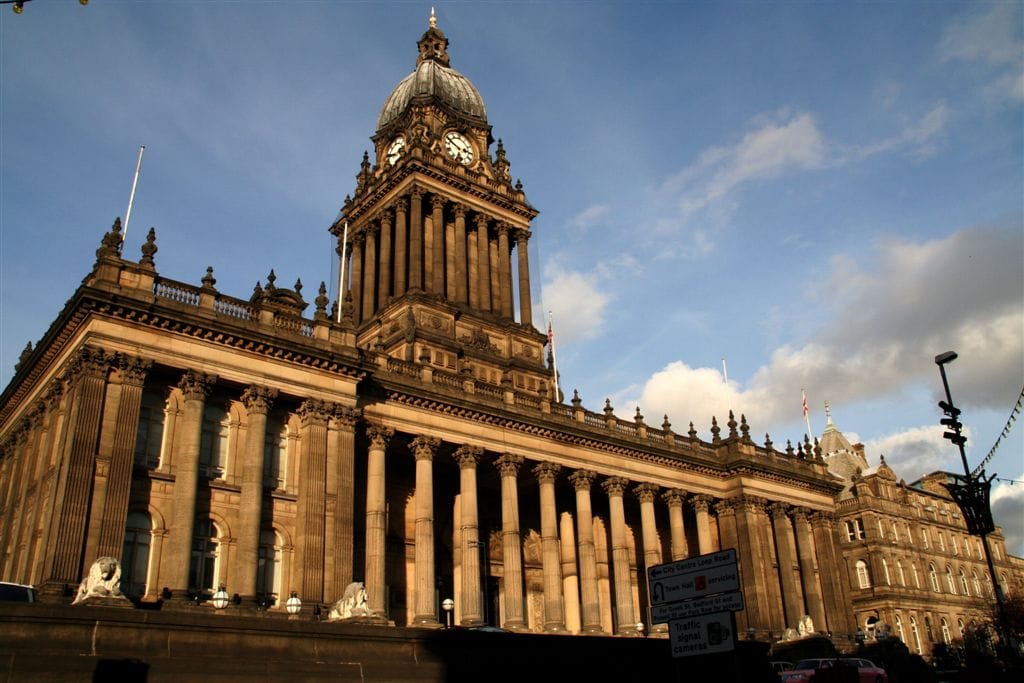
{"x":924,"y":537}
{"x":855,"y":530}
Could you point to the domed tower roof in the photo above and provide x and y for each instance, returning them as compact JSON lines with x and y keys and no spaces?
{"x":434,"y":80}
{"x":843,"y":459}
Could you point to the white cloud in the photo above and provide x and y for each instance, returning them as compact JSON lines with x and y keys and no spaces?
{"x":576,"y":302}
{"x":992,"y":43}
{"x":1007,"y":501}
{"x":913,"y":453}
{"x":590,"y":216}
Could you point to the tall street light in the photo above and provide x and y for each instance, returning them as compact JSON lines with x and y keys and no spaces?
{"x":971,"y":492}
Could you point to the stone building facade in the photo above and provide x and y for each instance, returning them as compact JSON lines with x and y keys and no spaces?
{"x":410,"y":437}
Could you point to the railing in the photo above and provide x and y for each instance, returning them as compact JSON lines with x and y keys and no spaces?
{"x":403,"y":367}
{"x":489,"y":390}
{"x":527,"y":401}
{"x":447,"y":379}
{"x":176,"y":291}
{"x":298,"y":325}
{"x":234,"y":308}
{"x":593,"y":420}
{"x":562,"y":410}
{"x":626,"y":428}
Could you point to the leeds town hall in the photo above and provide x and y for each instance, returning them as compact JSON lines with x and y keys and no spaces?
{"x":410,"y":437}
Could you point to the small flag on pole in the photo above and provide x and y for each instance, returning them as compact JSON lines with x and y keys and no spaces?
{"x":806,"y":409}
{"x":554,"y":359}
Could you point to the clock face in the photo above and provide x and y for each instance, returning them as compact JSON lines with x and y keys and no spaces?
{"x":458,"y":148}
{"x":395,"y":150}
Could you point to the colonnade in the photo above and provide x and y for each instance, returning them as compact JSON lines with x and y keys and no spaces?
{"x":443,"y":247}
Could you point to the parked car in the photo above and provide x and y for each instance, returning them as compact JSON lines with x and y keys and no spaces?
{"x":16,"y":592}
{"x":781,"y":667}
{"x":808,"y":670}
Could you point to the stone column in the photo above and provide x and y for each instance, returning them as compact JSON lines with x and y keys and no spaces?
{"x":15,"y":477}
{"x":341,"y":454}
{"x":625,"y":618}
{"x":312,"y":500}
{"x":369,"y":271}
{"x":554,"y":617}
{"x":525,"y":304}
{"x":591,"y":610}
{"x":674,"y":498}
{"x":358,"y":240}
{"x":401,"y":237}
{"x":195,"y":387}
{"x":705,"y":544}
{"x":257,"y":401}
{"x":437,"y":268}
{"x":384,"y":277}
{"x":88,"y":376}
{"x":570,"y":573}
{"x":416,"y":240}
{"x":460,"y":254}
{"x":376,"y":517}
{"x":472,"y":604}
{"x":505,"y":271}
{"x":511,"y":545}
{"x":805,"y":552}
{"x":792,"y":600}
{"x":833,"y":577}
{"x":495,"y":270}
{"x":483,"y":263}
{"x":424,"y":609}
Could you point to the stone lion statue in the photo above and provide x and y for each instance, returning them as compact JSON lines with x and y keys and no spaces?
{"x":103,"y":581}
{"x":352,"y":604}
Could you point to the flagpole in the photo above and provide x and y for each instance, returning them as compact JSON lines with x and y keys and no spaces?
{"x":725,"y":376}
{"x":807,"y":411}
{"x":131,"y":197}
{"x":341,"y":271}
{"x":554,"y":358}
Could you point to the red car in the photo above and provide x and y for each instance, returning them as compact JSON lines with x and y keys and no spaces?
{"x":806,"y":671}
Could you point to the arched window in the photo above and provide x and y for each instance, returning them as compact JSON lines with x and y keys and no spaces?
{"x":917,"y":575}
{"x":863,"y":577}
{"x":213,"y":448}
{"x":895,"y":534}
{"x":885,"y":572}
{"x":150,"y":434}
{"x":899,"y":573}
{"x":976,"y":582}
{"x":899,"y":628}
{"x":946,"y":637}
{"x":268,"y":576}
{"x":949,"y":580}
{"x":915,"y":635}
{"x":138,"y":535}
{"x":924,"y":537}
{"x":275,"y":455}
{"x":934,"y":577}
{"x":960,"y":627}
{"x":955,"y":544}
{"x":1004,"y":585}
{"x":942,"y":542}
{"x":205,"y":567}
{"x":963,"y":582}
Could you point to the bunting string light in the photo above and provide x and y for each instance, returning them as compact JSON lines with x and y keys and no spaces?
{"x":1006,"y":430}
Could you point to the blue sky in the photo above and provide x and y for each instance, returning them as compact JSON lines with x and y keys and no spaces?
{"x":826,"y":195}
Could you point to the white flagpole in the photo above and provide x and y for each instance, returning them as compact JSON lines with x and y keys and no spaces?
{"x":725,"y":376}
{"x":554,"y":357}
{"x":131,"y":197}
{"x":341,"y":271}
{"x":807,"y":411}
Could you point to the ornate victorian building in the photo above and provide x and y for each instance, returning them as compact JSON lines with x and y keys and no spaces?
{"x":409,"y":438}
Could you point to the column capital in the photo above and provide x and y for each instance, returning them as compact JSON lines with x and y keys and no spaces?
{"x":522,"y":235}
{"x":314,"y":411}
{"x":582,"y":479}
{"x":400,"y":205}
{"x":674,"y":497}
{"x":822,"y":518}
{"x":779,"y":510}
{"x":258,"y":399}
{"x":508,"y":464}
{"x":481,"y":220}
{"x":751,"y":503}
{"x":646,"y":491}
{"x":614,"y":486}
{"x":379,"y":436}
{"x":370,"y":229}
{"x":459,"y":209}
{"x":345,"y":417}
{"x":468,"y":456}
{"x":437,"y":202}
{"x":89,"y":361}
{"x":800,"y":513}
{"x":133,"y":370}
{"x":424,"y":447}
{"x":546,"y":471}
{"x":702,"y":502}
{"x":504,"y":228}
{"x":727,"y":506}
{"x":386,"y":214}
{"x":196,"y":386}
{"x":417,"y":192}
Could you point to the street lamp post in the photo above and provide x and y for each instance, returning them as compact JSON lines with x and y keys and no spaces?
{"x":447,"y":605}
{"x":972,"y":495}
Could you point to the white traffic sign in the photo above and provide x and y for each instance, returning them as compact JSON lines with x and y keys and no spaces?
{"x":702,"y":635}
{"x":692,"y":564}
{"x":696,"y":584}
{"x":731,"y":601}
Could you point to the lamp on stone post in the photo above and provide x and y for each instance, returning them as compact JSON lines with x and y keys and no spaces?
{"x":640,"y":628}
{"x":221,"y":599}
{"x":447,"y":605}
{"x":971,"y":492}
{"x":293,"y":606}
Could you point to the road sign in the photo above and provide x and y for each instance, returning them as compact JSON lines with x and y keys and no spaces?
{"x":702,"y":635}
{"x":717,"y":579}
{"x":692,"y":564}
{"x":732,"y":602}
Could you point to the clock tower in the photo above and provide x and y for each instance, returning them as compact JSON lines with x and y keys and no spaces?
{"x":438,"y":266}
